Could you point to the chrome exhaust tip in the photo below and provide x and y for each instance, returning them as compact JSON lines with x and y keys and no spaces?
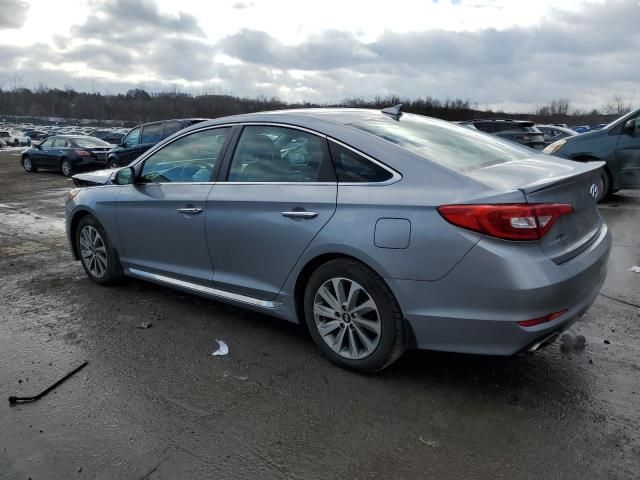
{"x":543,"y":342}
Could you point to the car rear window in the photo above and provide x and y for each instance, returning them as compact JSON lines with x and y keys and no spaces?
{"x":457,"y":148}
{"x":90,"y":142}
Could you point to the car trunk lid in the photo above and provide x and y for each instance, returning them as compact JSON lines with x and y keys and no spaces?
{"x":544,"y":179}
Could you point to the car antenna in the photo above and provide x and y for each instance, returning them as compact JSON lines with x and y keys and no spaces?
{"x":395,"y":111}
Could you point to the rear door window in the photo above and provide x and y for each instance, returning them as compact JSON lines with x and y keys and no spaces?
{"x":279,"y":154}
{"x":60,"y":143}
{"x":152,"y":133}
{"x":171,"y":127}
{"x":353,"y":168}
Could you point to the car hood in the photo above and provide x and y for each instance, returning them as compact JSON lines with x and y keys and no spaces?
{"x":530,"y":174}
{"x":97,"y":177}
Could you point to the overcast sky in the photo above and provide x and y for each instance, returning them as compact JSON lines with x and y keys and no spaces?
{"x":511,"y":54}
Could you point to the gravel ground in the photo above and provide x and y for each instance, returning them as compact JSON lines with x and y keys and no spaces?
{"x":153,"y":403}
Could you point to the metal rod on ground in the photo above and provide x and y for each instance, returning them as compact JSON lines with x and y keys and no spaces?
{"x":13,"y":399}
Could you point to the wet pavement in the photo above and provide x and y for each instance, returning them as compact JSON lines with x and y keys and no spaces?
{"x":155,"y":404}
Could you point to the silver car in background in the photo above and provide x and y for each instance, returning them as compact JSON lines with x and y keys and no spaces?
{"x":376,"y":230}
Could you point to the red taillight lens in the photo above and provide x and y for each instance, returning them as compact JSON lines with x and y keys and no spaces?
{"x":538,"y":321}
{"x":509,"y":221}
{"x":83,"y":153}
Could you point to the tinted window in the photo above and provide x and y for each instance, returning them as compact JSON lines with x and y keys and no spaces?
{"x":133,"y":138}
{"x":455,"y":147}
{"x":171,"y":127}
{"x":60,"y":143}
{"x":152,"y":133}
{"x":278,"y":154}
{"x":351,"y":167}
{"x":47,"y":143}
{"x":90,"y":142}
{"x":189,"y":159}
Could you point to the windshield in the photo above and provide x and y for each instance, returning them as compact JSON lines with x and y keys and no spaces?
{"x":86,"y":142}
{"x":458,"y":148}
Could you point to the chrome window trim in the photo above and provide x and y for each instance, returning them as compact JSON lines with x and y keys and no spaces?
{"x":236,"y":297}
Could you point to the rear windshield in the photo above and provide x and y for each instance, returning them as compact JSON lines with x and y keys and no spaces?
{"x":458,"y":148}
{"x":90,"y":142}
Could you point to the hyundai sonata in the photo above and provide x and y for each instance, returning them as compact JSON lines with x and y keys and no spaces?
{"x":376,"y":230}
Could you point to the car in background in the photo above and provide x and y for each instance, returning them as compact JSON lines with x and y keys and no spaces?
{"x":13,"y":138}
{"x":600,"y":126}
{"x":617,"y":144}
{"x":518,"y":131}
{"x":2,"y":144}
{"x":109,"y":136}
{"x":36,"y":135}
{"x":141,"y":138}
{"x":581,"y":128}
{"x":67,"y":154}
{"x":552,"y":133}
{"x":375,"y":229}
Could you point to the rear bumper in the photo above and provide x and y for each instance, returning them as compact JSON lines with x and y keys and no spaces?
{"x":475,"y":308}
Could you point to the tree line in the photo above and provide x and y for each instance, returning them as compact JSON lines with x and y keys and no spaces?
{"x":138,"y":106}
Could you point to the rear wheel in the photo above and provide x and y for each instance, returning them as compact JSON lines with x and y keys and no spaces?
{"x":99,"y":259}
{"x":27,"y":164}
{"x":66,"y":168}
{"x":605,"y":185}
{"x":113,"y":163}
{"x":353,"y":316}
{"x":16,"y":143}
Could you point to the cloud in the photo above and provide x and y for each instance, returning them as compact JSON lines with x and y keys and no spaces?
{"x":13,"y":13}
{"x":242,"y":5}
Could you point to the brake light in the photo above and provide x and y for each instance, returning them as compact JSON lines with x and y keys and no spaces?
{"x":82,"y":153}
{"x":538,"y":321}
{"x":509,"y":221}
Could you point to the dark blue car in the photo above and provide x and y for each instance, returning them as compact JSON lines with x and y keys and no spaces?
{"x":67,"y":154}
{"x":141,"y":138}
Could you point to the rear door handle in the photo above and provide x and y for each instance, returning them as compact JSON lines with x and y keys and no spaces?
{"x":190,"y":210}
{"x":300,"y":214}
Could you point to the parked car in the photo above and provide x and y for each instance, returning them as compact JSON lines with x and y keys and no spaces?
{"x":14,"y":139}
{"x":2,"y":144}
{"x":66,"y":153}
{"x":374,"y":229}
{"x":617,"y":144}
{"x":519,"y":131}
{"x":600,"y":126}
{"x":141,"y":138}
{"x":108,"y":136}
{"x":36,"y":135}
{"x":553,"y":132}
{"x":581,"y":128}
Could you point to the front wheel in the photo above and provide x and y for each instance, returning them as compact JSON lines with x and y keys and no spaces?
{"x":16,"y":143}
{"x":66,"y":168}
{"x":113,"y":163}
{"x":99,"y":259}
{"x":605,"y":186}
{"x":27,"y":164}
{"x":353,"y":316}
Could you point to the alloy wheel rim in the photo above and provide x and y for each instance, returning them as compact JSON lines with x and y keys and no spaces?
{"x":93,"y":251}
{"x":27,"y":164}
{"x":347,"y":318}
{"x":66,"y":168}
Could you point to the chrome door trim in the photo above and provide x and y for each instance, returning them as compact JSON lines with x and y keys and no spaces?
{"x":190,"y":210}
{"x":300,"y":214}
{"x":236,"y":297}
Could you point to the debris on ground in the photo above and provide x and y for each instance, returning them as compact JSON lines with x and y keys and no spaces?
{"x":222,"y":349}
{"x":635,"y":269}
{"x":571,"y":341}
{"x":144,"y":325}
{"x":14,"y":399}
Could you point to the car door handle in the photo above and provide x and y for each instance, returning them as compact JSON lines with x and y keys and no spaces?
{"x":300,"y":214}
{"x":190,"y":210}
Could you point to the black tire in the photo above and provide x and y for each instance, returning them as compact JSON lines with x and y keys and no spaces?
{"x":28,"y":166}
{"x":66,"y":167}
{"x":113,"y":270}
{"x":113,"y":163}
{"x":16,"y":143}
{"x":605,"y":185}
{"x":393,"y":336}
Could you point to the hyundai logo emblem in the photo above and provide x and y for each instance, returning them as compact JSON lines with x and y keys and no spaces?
{"x":594,"y":190}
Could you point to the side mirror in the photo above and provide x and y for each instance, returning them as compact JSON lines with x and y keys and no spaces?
{"x":632,"y":127}
{"x":125,"y":176}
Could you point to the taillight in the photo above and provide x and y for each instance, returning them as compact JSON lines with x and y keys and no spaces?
{"x":509,"y":221}
{"x":83,"y":153}
{"x":545,"y":319}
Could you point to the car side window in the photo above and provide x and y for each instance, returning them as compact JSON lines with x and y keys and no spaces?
{"x":60,"y":143}
{"x":191,"y":158}
{"x":353,"y":168}
{"x":152,"y":133}
{"x":133,"y":138}
{"x":170,"y":128}
{"x":278,"y":154}
{"x":47,"y":143}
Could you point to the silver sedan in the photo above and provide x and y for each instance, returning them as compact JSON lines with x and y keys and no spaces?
{"x":377,"y":231}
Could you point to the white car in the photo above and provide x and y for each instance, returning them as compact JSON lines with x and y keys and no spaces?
{"x":13,"y":138}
